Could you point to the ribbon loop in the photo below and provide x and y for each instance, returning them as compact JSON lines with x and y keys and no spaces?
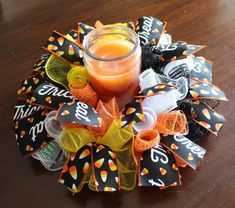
{"x":191,"y":153}
{"x":78,"y":113}
{"x":30,"y":132}
{"x":51,"y":156}
{"x":149,"y":29}
{"x":158,"y":168}
{"x":65,"y":48}
{"x":146,"y":140}
{"x":76,"y":169}
{"x":57,"y":70}
{"x":116,"y":144}
{"x":53,"y":127}
{"x":172,"y":123}
{"x":149,"y":122}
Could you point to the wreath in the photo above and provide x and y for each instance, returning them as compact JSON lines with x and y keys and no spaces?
{"x":68,"y":127}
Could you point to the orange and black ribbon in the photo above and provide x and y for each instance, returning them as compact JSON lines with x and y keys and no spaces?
{"x":196,"y":108}
{"x":40,"y":65}
{"x":133,"y":112}
{"x":95,"y":158}
{"x":202,"y":70}
{"x":65,"y":48}
{"x":50,"y":96}
{"x":203,"y":115}
{"x":29,"y":84}
{"x":149,"y":29}
{"x":74,"y":34}
{"x":23,"y":108}
{"x":189,"y":152}
{"x":204,"y":90}
{"x":158,"y":165}
{"x":30,"y":132}
{"x":78,"y":113}
{"x":83,"y":30}
{"x":156,"y":55}
{"x":158,"y":168}
{"x":36,"y":98}
{"x":28,"y":118}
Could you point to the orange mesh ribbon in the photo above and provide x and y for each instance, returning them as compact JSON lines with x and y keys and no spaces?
{"x":84,"y":94}
{"x":146,"y":140}
{"x":172,"y":123}
{"x":108,"y":112}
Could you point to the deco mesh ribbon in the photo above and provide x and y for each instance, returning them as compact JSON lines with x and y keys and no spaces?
{"x":60,"y":120}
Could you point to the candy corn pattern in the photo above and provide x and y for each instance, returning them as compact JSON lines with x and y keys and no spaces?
{"x":79,"y":165}
{"x":156,"y":29}
{"x":73,"y":172}
{"x":158,"y":168}
{"x":132,"y":112}
{"x":185,"y":150}
{"x":208,"y":118}
{"x":30,"y":133}
{"x":52,"y":96}
{"x":40,"y":65}
{"x":31,"y":83}
{"x":105,"y":168}
{"x":173,"y":51}
{"x":71,"y":51}
{"x":204,"y":90}
{"x":73,"y":34}
{"x":76,"y":168}
{"x":74,"y":113}
{"x":83,"y":30}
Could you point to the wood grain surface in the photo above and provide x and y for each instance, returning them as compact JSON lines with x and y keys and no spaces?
{"x":25,"y":25}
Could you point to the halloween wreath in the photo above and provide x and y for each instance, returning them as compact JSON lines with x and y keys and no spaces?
{"x":61,"y":120}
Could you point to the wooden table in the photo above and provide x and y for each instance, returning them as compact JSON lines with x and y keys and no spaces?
{"x":26,"y":24}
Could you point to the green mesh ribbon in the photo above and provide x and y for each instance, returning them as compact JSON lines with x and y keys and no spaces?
{"x":57,"y":70}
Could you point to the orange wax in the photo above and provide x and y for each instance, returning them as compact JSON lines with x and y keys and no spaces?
{"x":114,"y":78}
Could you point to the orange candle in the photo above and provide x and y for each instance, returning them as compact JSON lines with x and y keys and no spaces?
{"x":113,"y":59}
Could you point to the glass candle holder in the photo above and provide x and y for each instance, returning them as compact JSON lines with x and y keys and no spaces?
{"x":112,"y":55}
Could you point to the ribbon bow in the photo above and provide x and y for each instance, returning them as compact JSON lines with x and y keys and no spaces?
{"x":105,"y":162}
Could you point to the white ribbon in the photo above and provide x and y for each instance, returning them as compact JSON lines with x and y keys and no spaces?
{"x":162,"y":102}
{"x":53,"y":127}
{"x":165,"y":39}
{"x":149,"y":122}
{"x":51,"y":156}
{"x":173,"y":64}
{"x":148,"y":79}
{"x":159,"y":103}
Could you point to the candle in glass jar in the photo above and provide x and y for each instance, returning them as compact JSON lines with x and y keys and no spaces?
{"x":113,"y":58}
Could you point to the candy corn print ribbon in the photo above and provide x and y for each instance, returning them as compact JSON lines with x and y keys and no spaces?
{"x":36,"y":99}
{"x":100,"y":156}
{"x":105,"y":162}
